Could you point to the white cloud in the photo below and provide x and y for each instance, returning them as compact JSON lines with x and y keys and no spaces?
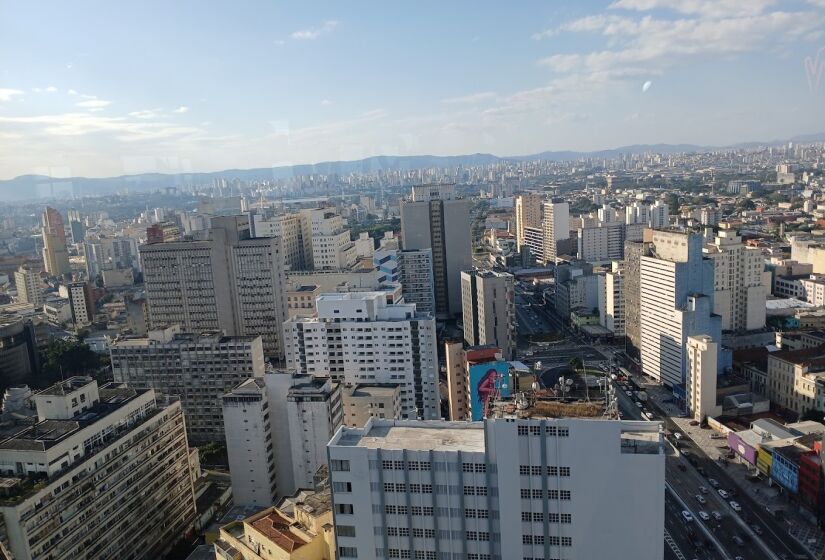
{"x":315,"y":32}
{"x":72,"y":92}
{"x":36,"y":90}
{"x":181,"y":109}
{"x":326,"y":102}
{"x":145,"y":114}
{"x":707,"y":8}
{"x":472,"y":98}
{"x":51,"y":89}
{"x":81,"y":124}
{"x":7,"y":94}
{"x":93,"y":103}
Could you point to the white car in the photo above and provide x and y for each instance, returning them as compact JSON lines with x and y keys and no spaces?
{"x":687,"y":516}
{"x":723,"y":493}
{"x":716,"y":515}
{"x":639,"y":404}
{"x":735,"y":506}
{"x":700,"y":498}
{"x":704,"y":516}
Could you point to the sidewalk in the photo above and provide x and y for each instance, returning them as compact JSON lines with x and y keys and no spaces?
{"x":768,"y":496}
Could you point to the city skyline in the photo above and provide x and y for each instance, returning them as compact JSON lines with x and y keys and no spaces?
{"x":274,"y":85}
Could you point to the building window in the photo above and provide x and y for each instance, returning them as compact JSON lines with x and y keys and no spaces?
{"x":339,"y":465}
{"x":345,"y":509}
{"x":344,"y":531}
{"x":347,"y":552}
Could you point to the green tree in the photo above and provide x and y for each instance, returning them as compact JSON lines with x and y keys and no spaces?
{"x":64,"y":358}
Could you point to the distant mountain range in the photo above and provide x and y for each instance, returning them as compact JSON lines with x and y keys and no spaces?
{"x":27,"y":187}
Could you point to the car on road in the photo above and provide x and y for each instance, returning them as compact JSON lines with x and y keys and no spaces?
{"x":700,"y":498}
{"x":704,"y":516}
{"x":757,"y":529}
{"x":688,"y":517}
{"x":703,"y":489}
{"x":629,"y":393}
{"x":677,"y":435}
{"x":638,"y":404}
{"x":738,"y":540}
{"x":713,"y":482}
{"x":735,"y":506}
{"x":723,"y":493}
{"x":716,"y":515}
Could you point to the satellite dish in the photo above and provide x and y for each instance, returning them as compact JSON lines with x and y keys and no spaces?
{"x":569,"y":382}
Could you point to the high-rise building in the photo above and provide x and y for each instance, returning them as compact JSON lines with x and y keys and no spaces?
{"x":489,"y":304}
{"x":229,"y":283}
{"x":198,"y":367}
{"x":162,"y":232}
{"x":611,"y":300}
{"x":505,"y":488}
{"x":19,"y":356}
{"x":55,"y":254}
{"x":676,"y":303}
{"x":700,"y":384}
{"x":528,"y":215}
{"x":28,"y":284}
{"x":81,"y":302}
{"x":412,"y":268}
{"x":468,"y":395}
{"x":277,"y":427}
{"x":631,"y":290}
{"x":358,"y":337}
{"x":435,"y":219}
{"x":104,"y":472}
{"x":741,"y":282}
{"x":555,"y":227}
{"x":331,"y":245}
{"x":76,"y":226}
{"x":292,"y":230}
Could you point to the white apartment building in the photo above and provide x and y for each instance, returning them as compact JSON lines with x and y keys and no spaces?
{"x":197,"y":367}
{"x":359,"y":337}
{"x":656,"y":215}
{"x":290,"y":229}
{"x":503,"y":489}
{"x":79,"y":295}
{"x":277,"y":428}
{"x":528,"y":215}
{"x":332,"y":247}
{"x":741,"y":283}
{"x":601,"y":243}
{"x":555,"y":227}
{"x":488,"y":299}
{"x":102,"y":473}
{"x":417,"y":280}
{"x":813,"y":289}
{"x":29,"y":290}
{"x":700,"y":387}
{"x":229,"y":283}
{"x":611,"y":299}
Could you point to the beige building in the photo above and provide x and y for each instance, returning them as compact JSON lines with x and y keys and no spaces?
{"x":55,"y":254}
{"x":458,"y":392}
{"x":362,"y":402}
{"x":290,"y":229}
{"x":300,"y":528}
{"x":300,"y":300}
{"x":103,"y":473}
{"x":796,"y":379}
{"x":555,"y":227}
{"x":29,"y":287}
{"x":528,"y":215}
{"x":331,"y":245}
{"x":701,"y":354}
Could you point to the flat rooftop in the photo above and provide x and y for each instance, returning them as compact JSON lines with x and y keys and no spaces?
{"x":416,"y":436}
{"x":383,"y":390}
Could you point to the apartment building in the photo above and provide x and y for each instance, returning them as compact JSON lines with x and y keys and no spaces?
{"x":611,"y":299}
{"x":291,"y":230}
{"x":528,"y":215}
{"x":103,"y":472}
{"x":702,"y":370}
{"x":412,"y":268}
{"x":81,"y":302}
{"x":198,"y":367}
{"x":489,"y":317}
{"x":740,"y":282}
{"x":359,"y":337}
{"x":632,"y":295}
{"x":468,"y":394}
{"x":55,"y":254}
{"x":277,"y":427}
{"x":362,"y":402}
{"x":796,"y":379}
{"x":29,"y":287}
{"x":332,"y":247}
{"x":555,"y":229}
{"x":506,"y":488}
{"x":434,"y":218}
{"x":229,"y":283}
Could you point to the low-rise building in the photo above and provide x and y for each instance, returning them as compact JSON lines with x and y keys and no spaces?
{"x":362,"y":402}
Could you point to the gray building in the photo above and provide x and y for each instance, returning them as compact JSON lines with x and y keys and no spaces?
{"x":631,"y":290}
{"x":200,"y":368}
{"x":416,"y":266}
{"x":229,"y":283}
{"x":19,"y":360}
{"x":489,"y":310}
{"x":435,"y":219}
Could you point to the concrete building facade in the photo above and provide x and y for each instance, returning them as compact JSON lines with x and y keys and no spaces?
{"x":555,"y":228}
{"x":488,"y":300}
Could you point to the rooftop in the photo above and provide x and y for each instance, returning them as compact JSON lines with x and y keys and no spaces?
{"x":277,"y":528}
{"x":376,"y":390}
{"x":415,"y":435}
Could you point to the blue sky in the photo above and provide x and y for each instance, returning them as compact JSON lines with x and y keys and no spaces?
{"x":110,"y":88}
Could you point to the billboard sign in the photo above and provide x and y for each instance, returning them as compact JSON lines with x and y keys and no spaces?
{"x":485,"y":380}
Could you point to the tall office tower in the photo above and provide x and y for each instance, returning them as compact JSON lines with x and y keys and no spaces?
{"x":659,"y":215}
{"x":291,"y":229}
{"x":331,"y":245}
{"x":29,"y":290}
{"x":611,"y":300}
{"x":631,"y":289}
{"x":358,"y":337}
{"x":103,"y":473}
{"x":741,"y":283}
{"x":676,"y":303}
{"x":528,"y":215}
{"x":76,"y":226}
{"x":277,"y":427}
{"x":700,"y":387}
{"x":81,"y":302}
{"x":198,"y":367}
{"x":489,"y":304}
{"x":555,"y":227}
{"x":55,"y":254}
{"x":506,"y":488}
{"x":227,"y":283}
{"x":435,"y":219}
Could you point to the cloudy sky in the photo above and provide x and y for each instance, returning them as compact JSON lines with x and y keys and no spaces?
{"x":109,"y":88}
